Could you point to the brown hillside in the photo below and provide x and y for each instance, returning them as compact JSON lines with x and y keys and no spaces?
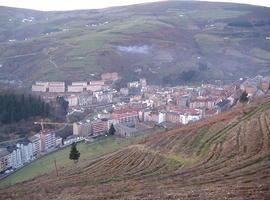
{"x":225,"y":157}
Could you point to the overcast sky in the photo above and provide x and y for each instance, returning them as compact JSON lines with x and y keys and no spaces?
{"x":88,"y":4}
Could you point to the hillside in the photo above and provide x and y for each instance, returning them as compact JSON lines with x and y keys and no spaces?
{"x":224,"y":157}
{"x":166,"y":42}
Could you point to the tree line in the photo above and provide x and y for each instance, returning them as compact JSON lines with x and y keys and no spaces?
{"x":16,"y":107}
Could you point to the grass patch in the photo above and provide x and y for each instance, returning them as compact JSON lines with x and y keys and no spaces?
{"x":216,"y":14}
{"x":260,"y":53}
{"x":46,"y":163}
{"x":100,"y":147}
{"x":178,"y":159}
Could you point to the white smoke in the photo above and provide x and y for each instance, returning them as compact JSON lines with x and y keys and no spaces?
{"x":134,"y":49}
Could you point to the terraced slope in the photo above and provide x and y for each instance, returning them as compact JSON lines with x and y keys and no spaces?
{"x":225,"y":157}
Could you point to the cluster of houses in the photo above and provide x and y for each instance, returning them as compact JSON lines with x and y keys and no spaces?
{"x":256,"y":86}
{"x":147,"y":106}
{"x":133,"y":109}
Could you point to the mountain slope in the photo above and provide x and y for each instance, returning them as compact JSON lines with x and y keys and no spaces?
{"x":224,"y":157}
{"x":167,"y":42}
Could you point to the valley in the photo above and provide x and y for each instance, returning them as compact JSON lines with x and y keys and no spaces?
{"x":223,"y":157}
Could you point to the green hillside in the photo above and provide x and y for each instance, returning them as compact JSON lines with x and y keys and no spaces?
{"x":161,"y":39}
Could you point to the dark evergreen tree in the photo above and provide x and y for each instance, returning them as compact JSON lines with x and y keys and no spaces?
{"x":244,"y":97}
{"x":112,"y":130}
{"x":74,"y":153}
{"x":63,"y":104}
{"x":14,"y":107}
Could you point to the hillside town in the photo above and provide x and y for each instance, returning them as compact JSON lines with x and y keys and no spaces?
{"x":131,"y":110}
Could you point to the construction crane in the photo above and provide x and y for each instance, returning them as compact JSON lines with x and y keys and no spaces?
{"x":42,"y":123}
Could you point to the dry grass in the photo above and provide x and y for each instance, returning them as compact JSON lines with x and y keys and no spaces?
{"x":235,"y":165}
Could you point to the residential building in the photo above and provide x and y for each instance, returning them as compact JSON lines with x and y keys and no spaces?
{"x":16,"y":159}
{"x":133,"y":84}
{"x":58,"y":141}
{"x":110,"y":76}
{"x":99,"y":127}
{"x":26,"y":149}
{"x":128,"y":116}
{"x":143,"y":82}
{"x":223,"y":105}
{"x":94,"y":88}
{"x":39,"y":88}
{"x":73,"y":100}
{"x":85,"y":99}
{"x":47,"y":140}
{"x":183,"y":116}
{"x":81,"y":128}
{"x":35,"y":140}
{"x":57,"y":87}
{"x":202,"y":102}
{"x":124,"y":91}
{"x":82,"y":83}
{"x":76,"y":88}
{"x":125,"y":131}
{"x":5,"y":160}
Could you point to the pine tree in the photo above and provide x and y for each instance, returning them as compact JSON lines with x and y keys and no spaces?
{"x":74,"y":153}
{"x":244,"y":97}
{"x":112,"y":130}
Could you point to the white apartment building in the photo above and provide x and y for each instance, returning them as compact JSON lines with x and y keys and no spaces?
{"x":26,"y":149}
{"x":16,"y":158}
{"x":76,"y":88}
